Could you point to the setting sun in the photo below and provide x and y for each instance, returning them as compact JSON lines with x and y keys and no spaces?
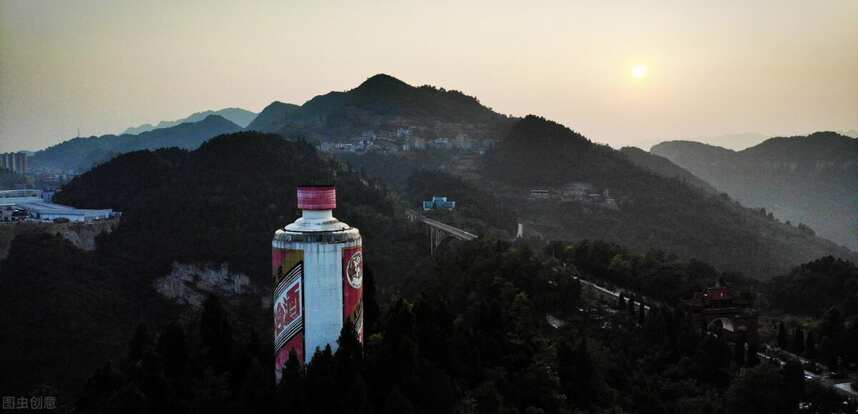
{"x":639,"y":71}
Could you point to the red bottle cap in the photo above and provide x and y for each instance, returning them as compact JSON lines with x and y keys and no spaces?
{"x":317,"y":197}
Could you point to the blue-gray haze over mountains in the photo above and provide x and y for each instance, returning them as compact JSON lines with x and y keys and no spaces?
{"x":810,"y":180}
{"x":238,"y":116}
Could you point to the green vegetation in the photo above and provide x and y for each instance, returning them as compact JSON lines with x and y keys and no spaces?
{"x":477,"y":210}
{"x":663,"y":167}
{"x":218,"y":204}
{"x":222,"y":203}
{"x":817,"y":286}
{"x":380,"y":101}
{"x":538,"y":152}
{"x":805,"y":179}
{"x":474,"y":340}
{"x":827,"y":290}
{"x":65,"y":312}
{"x":655,"y":274}
{"x":488,"y":327}
{"x":654,"y":212}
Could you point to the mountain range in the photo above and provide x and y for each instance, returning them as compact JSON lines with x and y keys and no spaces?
{"x":382,"y":102}
{"x":810,"y":179}
{"x":733,"y":141}
{"x":533,"y":153}
{"x":238,"y":116}
{"x":217,"y":205}
{"x":80,"y":154}
{"x":664,"y":167}
{"x":651,"y":210}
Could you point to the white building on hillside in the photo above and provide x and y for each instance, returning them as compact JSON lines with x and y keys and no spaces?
{"x":41,"y":210}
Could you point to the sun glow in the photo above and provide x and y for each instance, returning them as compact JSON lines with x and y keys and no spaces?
{"x":639,"y":71}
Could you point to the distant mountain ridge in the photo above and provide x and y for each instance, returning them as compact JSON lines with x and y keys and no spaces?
{"x":853,"y":133}
{"x":272,"y":117}
{"x":654,"y":209}
{"x":737,"y":141}
{"x":664,"y":167}
{"x":380,"y":102}
{"x":804,"y":179}
{"x":238,"y":116}
{"x":79,"y":154}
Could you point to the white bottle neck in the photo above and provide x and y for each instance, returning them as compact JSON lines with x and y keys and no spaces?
{"x":314,"y":215}
{"x":315,"y":221}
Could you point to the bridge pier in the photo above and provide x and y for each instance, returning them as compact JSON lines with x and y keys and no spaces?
{"x":439,"y":233}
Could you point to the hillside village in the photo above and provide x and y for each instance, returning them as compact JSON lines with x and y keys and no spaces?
{"x":408,"y":139}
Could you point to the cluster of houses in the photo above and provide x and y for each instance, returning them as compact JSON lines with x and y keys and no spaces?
{"x":404,"y":140}
{"x":576,"y":192}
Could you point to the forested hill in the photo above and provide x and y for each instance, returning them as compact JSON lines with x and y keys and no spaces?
{"x":664,"y":167}
{"x":80,"y":154}
{"x":272,"y":117}
{"x":805,"y":179}
{"x":222,"y":202}
{"x":380,"y":102}
{"x":217,"y":205}
{"x":652,"y":211}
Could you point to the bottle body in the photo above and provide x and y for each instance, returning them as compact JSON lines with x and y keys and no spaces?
{"x":317,"y":269}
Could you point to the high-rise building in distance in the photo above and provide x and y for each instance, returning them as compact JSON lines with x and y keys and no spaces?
{"x":14,"y":161}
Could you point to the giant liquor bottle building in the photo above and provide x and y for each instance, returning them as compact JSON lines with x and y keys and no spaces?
{"x":318,"y":275}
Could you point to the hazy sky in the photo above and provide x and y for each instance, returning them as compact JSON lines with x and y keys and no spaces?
{"x":713,"y":67}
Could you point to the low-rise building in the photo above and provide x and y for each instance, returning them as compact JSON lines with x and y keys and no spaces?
{"x":6,"y":212}
{"x":440,"y":143}
{"x":438,"y":202}
{"x":20,"y":196}
{"x":36,"y":208}
{"x":539,"y":194}
{"x":403,"y":132}
{"x":413,"y":143}
{"x":43,"y":211}
{"x":722,"y":311}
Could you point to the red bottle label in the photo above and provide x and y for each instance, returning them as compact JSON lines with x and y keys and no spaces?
{"x":353,"y":288}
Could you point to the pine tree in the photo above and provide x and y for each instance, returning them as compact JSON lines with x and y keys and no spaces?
{"x":173,"y":350}
{"x":356,"y":398}
{"x":321,"y":379}
{"x":810,"y":345}
{"x":139,"y":343}
{"x":371,"y":311}
{"x":782,"y":336}
{"x":753,"y":359}
{"x":216,"y":334}
{"x":798,"y":341}
{"x":576,"y":372}
{"x":291,"y":392}
{"x":792,"y":384}
{"x":348,"y":360}
{"x":739,"y":350}
{"x":397,"y":403}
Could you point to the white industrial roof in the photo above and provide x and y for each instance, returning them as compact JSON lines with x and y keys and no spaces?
{"x":44,"y":207}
